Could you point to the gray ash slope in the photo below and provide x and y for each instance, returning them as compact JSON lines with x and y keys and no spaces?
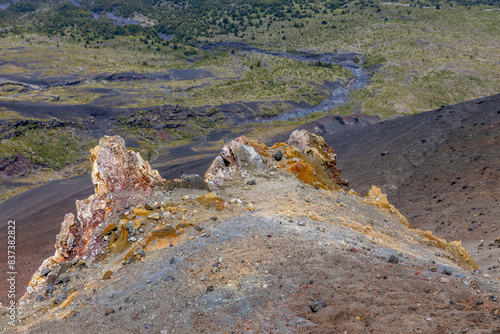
{"x":440,"y":168}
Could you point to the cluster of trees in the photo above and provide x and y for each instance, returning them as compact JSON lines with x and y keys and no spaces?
{"x":207,"y":18}
{"x":186,"y":20}
{"x":67,"y":19}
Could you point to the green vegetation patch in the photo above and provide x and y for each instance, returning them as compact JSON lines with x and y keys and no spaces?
{"x":55,"y":148}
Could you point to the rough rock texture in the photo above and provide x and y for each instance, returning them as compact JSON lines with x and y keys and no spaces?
{"x":305,"y":155}
{"x":115,"y":173}
{"x":317,"y":150}
{"x":67,"y":238}
{"x":237,"y":154}
{"x":114,"y":168}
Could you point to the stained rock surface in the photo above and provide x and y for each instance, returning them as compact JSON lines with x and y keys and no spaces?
{"x":305,"y":155}
{"x":114,"y":168}
{"x":116,"y":172}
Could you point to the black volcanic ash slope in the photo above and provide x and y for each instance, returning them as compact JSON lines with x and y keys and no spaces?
{"x":440,"y":168}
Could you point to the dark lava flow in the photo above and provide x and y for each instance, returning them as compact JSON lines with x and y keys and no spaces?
{"x":339,"y":89}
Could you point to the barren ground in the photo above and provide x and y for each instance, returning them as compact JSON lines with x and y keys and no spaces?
{"x":304,"y":261}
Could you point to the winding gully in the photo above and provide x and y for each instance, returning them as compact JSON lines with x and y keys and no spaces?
{"x":339,"y":89}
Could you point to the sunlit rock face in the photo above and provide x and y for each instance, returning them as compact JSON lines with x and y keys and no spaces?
{"x":115,"y":168}
{"x":239,"y":153}
{"x":119,"y":176}
{"x":320,"y":155}
{"x":305,"y":155}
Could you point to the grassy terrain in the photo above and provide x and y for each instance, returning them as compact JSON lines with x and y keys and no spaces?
{"x":428,"y":58}
{"x":422,"y":56}
{"x":236,"y":76}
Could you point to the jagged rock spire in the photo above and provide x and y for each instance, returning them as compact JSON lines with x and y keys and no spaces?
{"x":115,"y":168}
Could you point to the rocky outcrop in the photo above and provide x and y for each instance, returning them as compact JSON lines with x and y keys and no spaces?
{"x":305,"y":155}
{"x":17,"y":166}
{"x":239,"y":153}
{"x":67,"y":238}
{"x":248,"y":245}
{"x":114,"y":168}
{"x":119,"y":176}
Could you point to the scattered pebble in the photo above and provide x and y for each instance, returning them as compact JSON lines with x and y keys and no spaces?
{"x":317,"y":305}
{"x":155,"y":216}
{"x":62,"y":280}
{"x":50,"y":288}
{"x":278,"y":155}
{"x":107,"y":274}
{"x":44,"y":272}
{"x":59,"y":299}
{"x":447,"y":271}
{"x":393,"y":259}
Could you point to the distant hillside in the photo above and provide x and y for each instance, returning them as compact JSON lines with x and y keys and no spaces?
{"x":194,"y":19}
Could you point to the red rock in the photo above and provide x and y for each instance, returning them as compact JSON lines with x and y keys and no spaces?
{"x":115,"y":168}
{"x":312,"y":144}
{"x":310,"y":159}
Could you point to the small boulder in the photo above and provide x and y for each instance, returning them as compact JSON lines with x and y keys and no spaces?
{"x":59,"y":299}
{"x":193,"y":181}
{"x":317,"y":305}
{"x":44,"y":272}
{"x":155,"y":216}
{"x":393,"y":259}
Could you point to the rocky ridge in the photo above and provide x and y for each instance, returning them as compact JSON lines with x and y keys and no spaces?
{"x":271,"y":246}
